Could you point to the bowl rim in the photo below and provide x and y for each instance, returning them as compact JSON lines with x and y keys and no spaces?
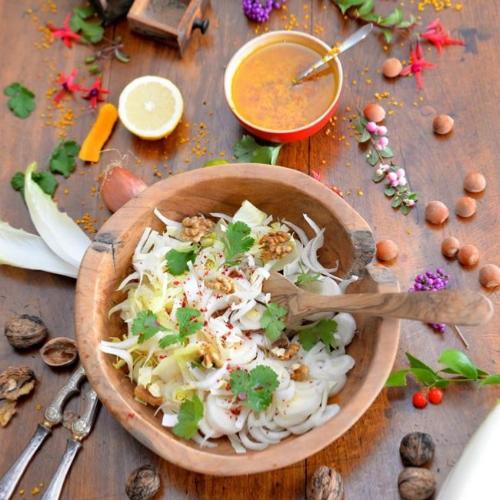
{"x":253,"y":44}
{"x":164,"y":443}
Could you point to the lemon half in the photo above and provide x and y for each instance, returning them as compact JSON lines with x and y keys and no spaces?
{"x":150,"y":107}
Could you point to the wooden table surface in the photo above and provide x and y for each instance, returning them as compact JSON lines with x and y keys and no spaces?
{"x":464,"y":84}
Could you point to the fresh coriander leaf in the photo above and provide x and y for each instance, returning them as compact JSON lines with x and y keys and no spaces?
{"x":304,"y":278}
{"x":45,"y":180}
{"x":22,"y":100}
{"x":91,"y":31}
{"x":322,"y":331}
{"x":185,"y":317}
{"x":397,"y":379}
{"x":272,"y":320}
{"x":248,"y":150}
{"x":145,"y":325}
{"x":191,"y":412}
{"x":491,"y":379}
{"x":169,"y":340}
{"x":237,"y":240}
{"x":177,"y":262}
{"x":255,"y":388}
{"x":458,"y":361}
{"x":84,"y":12}
{"x":63,"y":158}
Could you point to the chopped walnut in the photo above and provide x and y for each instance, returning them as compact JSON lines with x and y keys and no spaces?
{"x":275,"y":245}
{"x":210,"y":357}
{"x":300,"y":373}
{"x":195,"y":228}
{"x":285,"y":353}
{"x":141,"y":392}
{"x":221,"y":284}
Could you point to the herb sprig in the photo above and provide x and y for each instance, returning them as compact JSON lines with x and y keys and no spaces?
{"x":455,"y":362}
{"x":63,"y":158}
{"x":86,"y":22}
{"x":21,"y":100}
{"x":254,"y":389}
{"x":237,"y":241}
{"x":272,"y":320}
{"x":45,"y":180}
{"x":190,"y":413}
{"x":322,"y":331}
{"x":247,"y":149}
{"x":177,"y":262}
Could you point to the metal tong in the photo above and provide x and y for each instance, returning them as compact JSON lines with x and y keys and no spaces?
{"x":53,"y":417}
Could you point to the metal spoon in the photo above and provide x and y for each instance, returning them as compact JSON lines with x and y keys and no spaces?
{"x":349,"y":42}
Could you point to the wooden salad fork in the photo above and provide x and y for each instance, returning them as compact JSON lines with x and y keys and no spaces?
{"x":454,"y":307}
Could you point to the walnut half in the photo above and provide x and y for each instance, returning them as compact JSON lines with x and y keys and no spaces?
{"x":141,"y":393}
{"x":221,"y":284}
{"x":195,"y":228}
{"x":300,"y":372}
{"x":275,"y":245}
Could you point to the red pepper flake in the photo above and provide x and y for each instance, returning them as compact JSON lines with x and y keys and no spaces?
{"x":417,"y":65}
{"x":436,"y":34}
{"x":68,"y":85}
{"x":95,"y":93}
{"x":65,"y":33}
{"x":236,"y":411}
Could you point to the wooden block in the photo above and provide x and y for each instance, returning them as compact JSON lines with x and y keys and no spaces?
{"x":169,"y":21}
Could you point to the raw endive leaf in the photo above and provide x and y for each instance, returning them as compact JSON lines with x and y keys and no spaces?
{"x":58,"y":230}
{"x":21,"y":249}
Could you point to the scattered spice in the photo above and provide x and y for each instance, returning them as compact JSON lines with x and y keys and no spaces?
{"x":442,"y":124}
{"x":489,"y":276}
{"x":325,"y":484}
{"x":88,"y":223}
{"x":436,"y":34}
{"x":474,"y":182}
{"x":450,"y":247}
{"x":465,"y":207}
{"x":392,"y":67}
{"x":416,"y":483}
{"x":118,"y":186}
{"x":468,"y":255}
{"x":387,"y":250}
{"x":143,"y":483}
{"x":99,"y":133}
{"x":60,"y":351}
{"x":436,"y":212}
{"x":417,"y":449}
{"x":25,"y":331}
{"x":417,"y":65}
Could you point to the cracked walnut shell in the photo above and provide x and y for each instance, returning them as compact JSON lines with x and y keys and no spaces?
{"x":195,"y":228}
{"x":16,"y":382}
{"x":275,"y":245}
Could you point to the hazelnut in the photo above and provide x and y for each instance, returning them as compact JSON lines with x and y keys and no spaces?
{"x":374,"y":112}
{"x":465,"y":207}
{"x":468,"y":255}
{"x":387,"y":250}
{"x":442,"y":124}
{"x":325,"y":484}
{"x":392,"y":67}
{"x":474,"y":182}
{"x":436,"y":212}
{"x":416,"y":483}
{"x":417,"y":449}
{"x":450,"y":247}
{"x":489,"y":276}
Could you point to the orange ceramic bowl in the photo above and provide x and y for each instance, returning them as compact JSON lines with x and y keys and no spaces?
{"x":299,"y":37}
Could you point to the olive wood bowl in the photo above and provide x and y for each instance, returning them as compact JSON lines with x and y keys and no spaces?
{"x":284,"y":193}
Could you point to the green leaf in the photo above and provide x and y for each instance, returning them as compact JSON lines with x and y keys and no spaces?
{"x":425,"y":376}
{"x":17,"y":181}
{"x":378,"y":177}
{"x":63,"y":158}
{"x":388,"y":35}
{"x":389,"y":191}
{"x":360,"y":124}
{"x":304,"y":278}
{"x":145,"y":325}
{"x":121,"y":56}
{"x":93,"y":32}
{"x":248,"y":150}
{"x":386,"y":152}
{"x":190,"y":413}
{"x":372,"y":157}
{"x":395,"y":17}
{"x":254,"y":389}
{"x":322,"y":331}
{"x":491,"y":379}
{"x":185,"y":317}
{"x":272,"y":320}
{"x":396,"y":202}
{"x":406,"y":24}
{"x":169,"y":340}
{"x":363,"y":136}
{"x":397,"y":378}
{"x":417,"y":363}
{"x":237,"y":240}
{"x":22,"y":100}
{"x":404,"y":209}
{"x":345,"y":5}
{"x":458,"y":361}
{"x":45,"y":180}
{"x":215,"y":161}
{"x":84,"y":12}
{"x":365,"y":9}
{"x":177,"y":262}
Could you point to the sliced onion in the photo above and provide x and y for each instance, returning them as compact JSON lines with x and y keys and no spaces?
{"x":168,"y":222}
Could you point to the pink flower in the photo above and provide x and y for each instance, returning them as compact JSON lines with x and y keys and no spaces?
{"x":383,"y":167}
{"x":397,"y":178}
{"x":381,"y":143}
{"x":409,"y":203}
{"x":371,"y":127}
{"x":382,"y":130}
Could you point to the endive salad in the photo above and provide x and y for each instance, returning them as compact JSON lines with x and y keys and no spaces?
{"x":209,"y":349}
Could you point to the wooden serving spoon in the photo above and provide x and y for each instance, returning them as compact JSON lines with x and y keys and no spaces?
{"x":456,"y":307}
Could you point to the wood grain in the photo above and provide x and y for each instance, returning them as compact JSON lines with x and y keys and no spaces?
{"x":464,"y":84}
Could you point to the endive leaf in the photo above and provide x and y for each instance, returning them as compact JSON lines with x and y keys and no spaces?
{"x":57,"y":229}
{"x":21,"y":249}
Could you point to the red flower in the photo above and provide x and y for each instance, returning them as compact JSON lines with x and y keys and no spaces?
{"x":68,"y":85}
{"x":95,"y":93}
{"x":417,"y":65}
{"x":438,"y":36}
{"x":66,"y":34}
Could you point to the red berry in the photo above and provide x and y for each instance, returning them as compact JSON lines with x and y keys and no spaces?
{"x":435,"y":396}
{"x":419,"y":400}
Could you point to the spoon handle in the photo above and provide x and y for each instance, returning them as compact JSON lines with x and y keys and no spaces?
{"x":456,"y":307}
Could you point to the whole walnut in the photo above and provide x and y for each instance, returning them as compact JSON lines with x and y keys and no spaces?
{"x":417,"y":449}
{"x":325,"y":484}
{"x":143,"y":483}
{"x":416,"y":483}
{"x":25,"y":331}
